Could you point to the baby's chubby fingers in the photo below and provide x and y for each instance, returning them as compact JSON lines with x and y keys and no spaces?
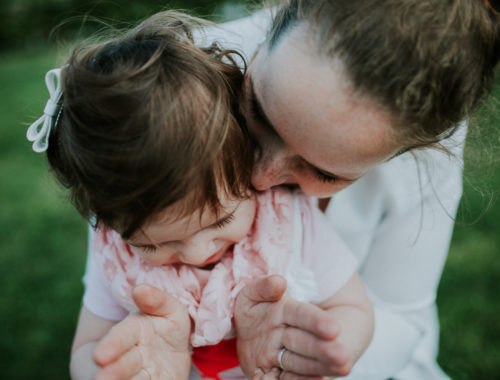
{"x":277,"y":374}
{"x":293,"y":376}
{"x":273,"y":374}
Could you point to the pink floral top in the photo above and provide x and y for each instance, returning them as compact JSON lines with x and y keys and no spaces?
{"x":209,"y":295}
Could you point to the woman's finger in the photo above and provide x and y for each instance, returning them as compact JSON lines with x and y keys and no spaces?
{"x":155,"y":302}
{"x":310,"y":318}
{"x":300,"y":365}
{"x":308,"y":345}
{"x":265,"y":289}
{"x":126,"y":367}
{"x":120,"y":339}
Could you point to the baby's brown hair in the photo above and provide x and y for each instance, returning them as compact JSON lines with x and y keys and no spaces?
{"x":150,"y":119}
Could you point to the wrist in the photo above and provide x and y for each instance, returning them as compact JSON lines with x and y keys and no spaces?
{"x":82,"y":365}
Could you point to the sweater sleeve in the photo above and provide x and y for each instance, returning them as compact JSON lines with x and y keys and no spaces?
{"x":97,"y":296}
{"x":324,"y":252}
{"x":399,"y":220}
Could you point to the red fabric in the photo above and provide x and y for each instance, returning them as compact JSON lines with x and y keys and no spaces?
{"x":212,"y":360}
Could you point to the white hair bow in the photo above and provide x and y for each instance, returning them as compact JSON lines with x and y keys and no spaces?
{"x":40,"y":135}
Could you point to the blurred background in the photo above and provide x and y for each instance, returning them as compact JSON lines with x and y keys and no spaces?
{"x":43,"y":240}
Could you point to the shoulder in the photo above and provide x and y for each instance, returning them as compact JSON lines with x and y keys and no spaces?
{"x":243,"y":34}
{"x":403,"y":183}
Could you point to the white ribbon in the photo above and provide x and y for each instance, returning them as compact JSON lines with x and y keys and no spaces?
{"x":39,"y":131}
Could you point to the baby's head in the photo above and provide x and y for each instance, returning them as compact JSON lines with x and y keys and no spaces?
{"x":149,"y":119}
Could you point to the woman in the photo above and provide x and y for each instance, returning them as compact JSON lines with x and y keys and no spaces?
{"x":343,"y":96}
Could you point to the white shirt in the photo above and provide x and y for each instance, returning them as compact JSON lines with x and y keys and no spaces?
{"x":398,"y":220}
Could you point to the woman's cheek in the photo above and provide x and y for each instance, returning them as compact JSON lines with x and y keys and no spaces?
{"x":320,"y":189}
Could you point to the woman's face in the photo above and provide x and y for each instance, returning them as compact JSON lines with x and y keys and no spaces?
{"x":311,"y":129}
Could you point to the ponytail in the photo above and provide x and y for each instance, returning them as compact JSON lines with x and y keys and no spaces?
{"x":494,"y":12}
{"x":491,"y":8}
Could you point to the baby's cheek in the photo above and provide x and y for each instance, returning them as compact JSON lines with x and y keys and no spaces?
{"x":246,"y":228}
{"x":136,"y":251}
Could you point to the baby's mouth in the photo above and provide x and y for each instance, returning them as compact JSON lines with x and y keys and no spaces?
{"x":209,"y":266}
{"x":213,"y":260}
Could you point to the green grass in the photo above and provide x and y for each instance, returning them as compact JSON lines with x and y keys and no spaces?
{"x":469,"y":293}
{"x":42,"y":240}
{"x":43,"y":245}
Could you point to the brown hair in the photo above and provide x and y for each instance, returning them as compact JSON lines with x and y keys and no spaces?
{"x":149,"y":119}
{"x":428,"y":62}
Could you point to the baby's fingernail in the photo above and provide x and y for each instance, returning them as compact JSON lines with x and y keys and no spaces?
{"x":257,"y":374}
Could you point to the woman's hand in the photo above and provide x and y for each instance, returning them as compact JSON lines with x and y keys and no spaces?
{"x":152,"y":344}
{"x":268,"y":320}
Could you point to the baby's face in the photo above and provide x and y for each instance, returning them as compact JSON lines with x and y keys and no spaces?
{"x":201,"y":239}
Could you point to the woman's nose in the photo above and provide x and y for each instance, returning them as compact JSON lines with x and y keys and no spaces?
{"x":272,"y":168}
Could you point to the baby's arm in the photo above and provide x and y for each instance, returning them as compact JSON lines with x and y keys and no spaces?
{"x":90,"y":330}
{"x":352,"y":312}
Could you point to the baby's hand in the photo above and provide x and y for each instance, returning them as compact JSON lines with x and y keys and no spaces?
{"x":151,"y":344}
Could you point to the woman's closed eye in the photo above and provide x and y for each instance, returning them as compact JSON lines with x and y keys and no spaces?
{"x":323,"y":177}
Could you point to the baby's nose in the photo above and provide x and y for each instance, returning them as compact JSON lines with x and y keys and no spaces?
{"x":197,"y":253}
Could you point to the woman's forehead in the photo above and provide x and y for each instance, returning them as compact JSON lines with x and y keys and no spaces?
{"x":311,"y":105}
